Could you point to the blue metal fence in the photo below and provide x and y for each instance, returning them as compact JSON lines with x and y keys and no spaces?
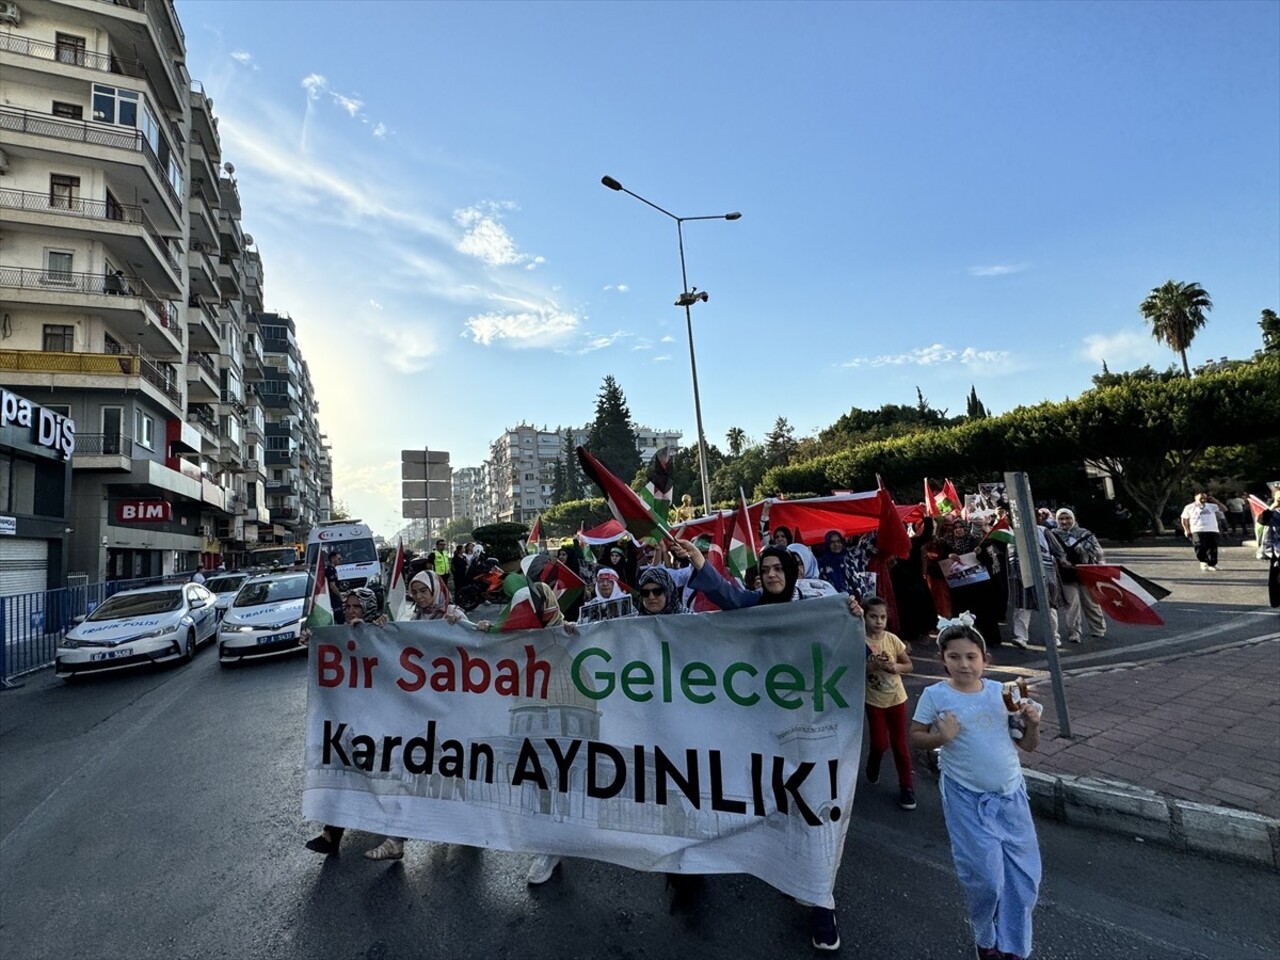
{"x":31,"y":624}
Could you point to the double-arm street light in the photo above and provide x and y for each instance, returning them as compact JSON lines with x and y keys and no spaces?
{"x":688,"y":297}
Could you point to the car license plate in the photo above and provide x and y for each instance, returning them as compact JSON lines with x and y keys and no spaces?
{"x":275,"y":638}
{"x":112,"y":654}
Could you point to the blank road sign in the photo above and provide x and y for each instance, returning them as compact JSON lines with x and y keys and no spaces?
{"x":417,"y":490}
{"x":416,"y":456}
{"x":417,"y":509}
{"x":414,"y":471}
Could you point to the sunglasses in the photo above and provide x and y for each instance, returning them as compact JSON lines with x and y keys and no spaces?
{"x":652,"y":592}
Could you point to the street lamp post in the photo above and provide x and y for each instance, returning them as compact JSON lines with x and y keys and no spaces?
{"x":688,"y":297}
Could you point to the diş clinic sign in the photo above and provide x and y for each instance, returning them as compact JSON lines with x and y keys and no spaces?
{"x":48,"y":429}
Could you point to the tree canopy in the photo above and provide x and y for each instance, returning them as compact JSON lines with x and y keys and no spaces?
{"x":1270,"y":325}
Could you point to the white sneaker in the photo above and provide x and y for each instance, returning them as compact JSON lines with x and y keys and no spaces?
{"x":1057,"y":641}
{"x":1213,"y":569}
{"x":541,"y":869}
{"x":1203,"y":565}
{"x":1019,"y":643}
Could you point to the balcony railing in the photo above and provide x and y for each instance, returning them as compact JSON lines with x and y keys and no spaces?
{"x":163,"y":312}
{"x":205,"y":362}
{"x":44,"y":50}
{"x":133,"y":364}
{"x":103,"y":445}
{"x":204,"y":416}
{"x":82,"y":131}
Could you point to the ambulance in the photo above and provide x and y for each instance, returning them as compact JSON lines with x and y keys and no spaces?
{"x":358,"y":565}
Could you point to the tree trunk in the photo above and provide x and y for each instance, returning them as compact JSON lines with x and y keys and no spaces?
{"x":1185,"y":368}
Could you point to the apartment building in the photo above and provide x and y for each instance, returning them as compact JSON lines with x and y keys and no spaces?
{"x":471,"y":495}
{"x":129,"y":291}
{"x":521,"y":466}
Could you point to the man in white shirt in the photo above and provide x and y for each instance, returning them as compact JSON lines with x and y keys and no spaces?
{"x":1202,"y":520}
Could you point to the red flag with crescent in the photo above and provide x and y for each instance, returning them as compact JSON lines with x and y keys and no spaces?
{"x":1123,"y":595}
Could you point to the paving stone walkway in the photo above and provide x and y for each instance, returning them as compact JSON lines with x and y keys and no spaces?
{"x":1202,"y":727}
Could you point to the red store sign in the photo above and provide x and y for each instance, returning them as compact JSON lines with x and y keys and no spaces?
{"x":143,"y":511}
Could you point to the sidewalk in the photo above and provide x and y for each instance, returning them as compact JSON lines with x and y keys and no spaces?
{"x":1184,"y":750}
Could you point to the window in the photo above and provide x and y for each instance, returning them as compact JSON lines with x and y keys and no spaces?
{"x":112,"y":418}
{"x":64,"y":191}
{"x":59,"y":338}
{"x":110,"y":344}
{"x":69,"y":49}
{"x":111,"y":105}
{"x":57,"y":266}
{"x":114,"y":210}
{"x":144,"y":429}
{"x":70,"y":111}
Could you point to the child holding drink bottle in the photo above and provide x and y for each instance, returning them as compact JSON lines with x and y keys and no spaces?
{"x":984,"y":796}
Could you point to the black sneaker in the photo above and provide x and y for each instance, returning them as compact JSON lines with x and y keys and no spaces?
{"x":907,"y":798}
{"x":327,"y":842}
{"x":873,"y":769}
{"x":822,"y":924}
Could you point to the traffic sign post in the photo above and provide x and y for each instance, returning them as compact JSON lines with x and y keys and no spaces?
{"x":426,"y":485}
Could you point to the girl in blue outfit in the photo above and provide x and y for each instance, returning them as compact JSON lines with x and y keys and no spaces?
{"x":984,"y":796}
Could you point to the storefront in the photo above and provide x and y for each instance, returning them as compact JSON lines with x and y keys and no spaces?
{"x":36,"y":446}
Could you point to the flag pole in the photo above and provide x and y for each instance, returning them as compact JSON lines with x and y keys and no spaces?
{"x":1024,"y":516}
{"x":747,"y":516}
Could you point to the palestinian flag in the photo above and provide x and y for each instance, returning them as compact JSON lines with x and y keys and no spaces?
{"x":1123,"y":595}
{"x":1256,"y":505}
{"x":568,"y":586}
{"x":657,"y":488}
{"x":942,"y":503}
{"x":715,"y":546}
{"x":587,"y":554}
{"x":526,"y":611}
{"x":632,"y":512}
{"x":320,"y":613}
{"x":394,"y":608}
{"x":742,"y":542}
{"x":1001,"y":532}
{"x":535,"y":536}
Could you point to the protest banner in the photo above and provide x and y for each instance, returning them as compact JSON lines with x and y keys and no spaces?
{"x":714,"y":743}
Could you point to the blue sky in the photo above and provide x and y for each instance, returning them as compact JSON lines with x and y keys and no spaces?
{"x":941,"y":195}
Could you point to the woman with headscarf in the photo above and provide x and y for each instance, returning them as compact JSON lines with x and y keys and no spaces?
{"x":430,"y":596}
{"x":780,"y":583}
{"x":958,"y":537}
{"x":916,"y":613}
{"x":1081,"y":546}
{"x":1021,"y":594}
{"x":360,"y":606}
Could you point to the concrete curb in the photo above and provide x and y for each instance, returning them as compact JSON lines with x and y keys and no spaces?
{"x":1183,"y":824}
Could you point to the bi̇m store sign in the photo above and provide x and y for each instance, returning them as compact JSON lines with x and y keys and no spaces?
{"x":42,"y":428}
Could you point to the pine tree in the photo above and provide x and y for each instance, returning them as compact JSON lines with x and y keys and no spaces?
{"x":780,"y":443}
{"x":975,"y":410}
{"x":1270,"y":325}
{"x":611,"y":437}
{"x":568,"y":482}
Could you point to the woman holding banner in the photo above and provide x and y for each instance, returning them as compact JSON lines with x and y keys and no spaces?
{"x":780,"y":583}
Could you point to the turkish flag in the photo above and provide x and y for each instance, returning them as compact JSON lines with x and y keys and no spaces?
{"x":1123,"y":595}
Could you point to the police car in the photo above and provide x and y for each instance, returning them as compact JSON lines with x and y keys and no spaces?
{"x":225,"y":586}
{"x":264,"y":619}
{"x":148,"y":625}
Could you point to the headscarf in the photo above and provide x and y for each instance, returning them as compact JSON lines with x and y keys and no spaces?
{"x":804,"y":556}
{"x":543,"y":602}
{"x":368,"y":603}
{"x":846,"y":570}
{"x":790,"y":571}
{"x":659,"y":577}
{"x":960,"y":540}
{"x":439,"y":592}
{"x":1078,"y":541}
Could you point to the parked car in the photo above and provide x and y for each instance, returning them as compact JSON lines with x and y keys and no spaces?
{"x":225,"y":586}
{"x":148,"y":625}
{"x":264,"y":619}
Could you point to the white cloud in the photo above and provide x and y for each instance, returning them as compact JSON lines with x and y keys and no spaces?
{"x":380,"y":130}
{"x":486,"y":239}
{"x":244,"y":58}
{"x":314,"y":84}
{"x":349,"y":104}
{"x":535,"y":262}
{"x":411,"y":345}
{"x":668,"y":339}
{"x":665,"y":356}
{"x":620,"y":287}
{"x":546,"y":327}
{"x":997,"y":270}
{"x":1121,"y":349}
{"x":600,"y":341}
{"x":375,"y":304}
{"x":933,"y":355}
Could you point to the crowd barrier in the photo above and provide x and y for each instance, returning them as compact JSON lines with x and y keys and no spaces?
{"x":31,"y":624}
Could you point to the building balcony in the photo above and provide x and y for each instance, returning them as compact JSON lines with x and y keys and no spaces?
{"x":281,"y":458}
{"x":125,"y":227}
{"x":279,"y":488}
{"x":205,"y":421}
{"x":203,"y":222}
{"x":103,"y":452}
{"x":280,"y":401}
{"x":203,"y":324}
{"x":202,"y":378}
{"x":285,"y":514}
{"x":139,"y":314}
{"x":253,"y":363}
{"x":205,"y":125}
{"x":230,"y":277}
{"x":125,"y":20}
{"x":204,"y":167}
{"x":117,"y":372}
{"x":122,"y":150}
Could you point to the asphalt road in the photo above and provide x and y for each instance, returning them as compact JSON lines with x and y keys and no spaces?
{"x":157,"y":814}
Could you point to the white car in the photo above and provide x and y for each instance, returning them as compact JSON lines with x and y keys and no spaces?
{"x":265,"y":619}
{"x":225,"y":586}
{"x":149,"y":625}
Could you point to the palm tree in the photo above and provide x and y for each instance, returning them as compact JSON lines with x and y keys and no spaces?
{"x":736,"y":437}
{"x":1175,"y":312}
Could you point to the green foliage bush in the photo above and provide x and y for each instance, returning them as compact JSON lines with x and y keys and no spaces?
{"x":502,"y":540}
